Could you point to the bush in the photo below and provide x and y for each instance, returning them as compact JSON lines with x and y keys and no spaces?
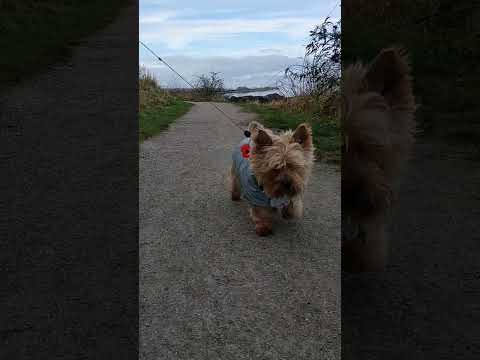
{"x":209,"y":86}
{"x":319,"y":73}
{"x":315,"y":83}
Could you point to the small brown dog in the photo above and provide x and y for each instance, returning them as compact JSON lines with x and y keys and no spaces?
{"x":271,"y":171}
{"x":378,"y":126}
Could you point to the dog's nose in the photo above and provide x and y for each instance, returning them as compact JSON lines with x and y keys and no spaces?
{"x":286,"y":181}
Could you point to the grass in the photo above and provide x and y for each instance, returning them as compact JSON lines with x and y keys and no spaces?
{"x":37,"y":33}
{"x":325,"y":129}
{"x":158,"y":108}
{"x":429,"y":30}
{"x":157,"y":118}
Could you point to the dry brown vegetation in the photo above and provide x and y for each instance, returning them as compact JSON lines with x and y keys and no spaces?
{"x":150,"y":93}
{"x":307,"y":104}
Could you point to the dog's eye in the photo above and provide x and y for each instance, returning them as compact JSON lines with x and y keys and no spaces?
{"x":294,"y":167}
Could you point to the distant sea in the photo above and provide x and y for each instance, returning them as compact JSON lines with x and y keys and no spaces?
{"x":254,"y":93}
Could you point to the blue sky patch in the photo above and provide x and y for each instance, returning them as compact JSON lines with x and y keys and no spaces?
{"x":246,"y":41}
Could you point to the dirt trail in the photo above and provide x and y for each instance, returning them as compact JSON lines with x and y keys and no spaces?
{"x":209,"y":287}
{"x":425,"y":305}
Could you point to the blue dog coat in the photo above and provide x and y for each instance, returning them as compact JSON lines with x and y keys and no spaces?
{"x":250,"y":189}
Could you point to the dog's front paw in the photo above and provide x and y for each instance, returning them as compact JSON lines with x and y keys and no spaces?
{"x":263,"y":229}
{"x":287,"y":213}
{"x":294,"y":210}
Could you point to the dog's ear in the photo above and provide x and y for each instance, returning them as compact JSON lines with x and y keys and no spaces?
{"x":389,"y":75}
{"x":303,"y":135}
{"x":254,"y":126}
{"x":261,"y":138}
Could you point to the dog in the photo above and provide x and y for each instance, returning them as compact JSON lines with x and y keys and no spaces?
{"x":271,"y":172}
{"x":378,"y":124}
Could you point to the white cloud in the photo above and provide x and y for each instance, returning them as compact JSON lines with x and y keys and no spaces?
{"x":178,"y":34}
{"x":243,"y":71}
{"x":249,"y":43}
{"x":157,"y":18}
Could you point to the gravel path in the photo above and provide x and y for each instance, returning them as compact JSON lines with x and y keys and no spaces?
{"x":68,"y":202}
{"x":209,"y":287}
{"x":425,"y":305}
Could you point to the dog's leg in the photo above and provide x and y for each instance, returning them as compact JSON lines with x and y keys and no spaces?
{"x":294,"y":208}
{"x":368,"y":252}
{"x":234,"y":185}
{"x":263,"y":219}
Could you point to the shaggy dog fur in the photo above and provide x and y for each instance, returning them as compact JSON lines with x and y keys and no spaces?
{"x":282,"y":166}
{"x":378,"y":125}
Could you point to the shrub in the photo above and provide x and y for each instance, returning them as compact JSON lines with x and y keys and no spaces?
{"x":209,"y":86}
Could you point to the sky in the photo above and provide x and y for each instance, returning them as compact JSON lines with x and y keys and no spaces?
{"x":250,"y":43}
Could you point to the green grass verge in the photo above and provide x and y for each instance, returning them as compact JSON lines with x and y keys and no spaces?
{"x":157,"y":118}
{"x":326,"y":132}
{"x":36,"y":34}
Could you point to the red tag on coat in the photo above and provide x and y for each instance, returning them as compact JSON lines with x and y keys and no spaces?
{"x":245,"y":149}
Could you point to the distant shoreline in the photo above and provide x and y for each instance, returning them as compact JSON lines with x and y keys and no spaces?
{"x":239,"y":90}
{"x":244,"y":90}
{"x":260,"y":93}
